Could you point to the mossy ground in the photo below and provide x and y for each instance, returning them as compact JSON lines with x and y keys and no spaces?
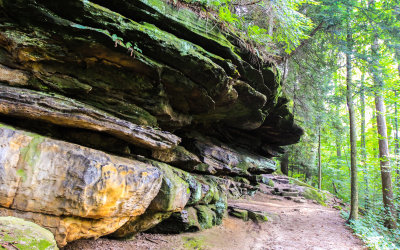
{"x":194,"y":242}
{"x":310,"y":192}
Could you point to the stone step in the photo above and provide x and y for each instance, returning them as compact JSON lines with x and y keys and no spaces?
{"x":289,"y":190}
{"x":246,"y":214}
{"x":300,"y":200}
{"x":292,"y":194}
{"x":281,"y":181}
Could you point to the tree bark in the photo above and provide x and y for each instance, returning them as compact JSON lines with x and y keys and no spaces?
{"x":386,"y":172}
{"x":334,"y":187}
{"x":397,"y":149}
{"x":338,"y":148}
{"x":353,"y":137}
{"x":319,"y":160}
{"x":285,"y":163}
{"x":363,"y":144}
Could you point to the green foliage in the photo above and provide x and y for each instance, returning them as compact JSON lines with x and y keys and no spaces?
{"x":375,"y":235}
{"x":226,"y":15}
{"x":129,"y":46}
{"x":291,"y":25}
{"x":277,"y":26}
{"x":316,"y":83}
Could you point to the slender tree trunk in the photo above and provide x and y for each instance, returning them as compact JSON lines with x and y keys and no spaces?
{"x":285,"y":163}
{"x":353,"y":137}
{"x":319,"y":160}
{"x":338,"y":148}
{"x":334,"y":187}
{"x":386,"y":172}
{"x":271,"y":25}
{"x":285,"y":72}
{"x":363,"y":144}
{"x":397,"y":149}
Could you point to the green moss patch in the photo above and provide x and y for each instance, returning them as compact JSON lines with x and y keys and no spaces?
{"x":24,"y":235}
{"x":314,"y":194}
{"x":193,"y":242}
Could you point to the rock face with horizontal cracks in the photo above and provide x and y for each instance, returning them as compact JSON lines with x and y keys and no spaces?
{"x":189,"y":114}
{"x":222,"y":159}
{"x":63,"y":111}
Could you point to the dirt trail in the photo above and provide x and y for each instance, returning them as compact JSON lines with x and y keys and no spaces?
{"x":291,"y":226}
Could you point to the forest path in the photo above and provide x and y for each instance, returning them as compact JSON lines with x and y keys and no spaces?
{"x":291,"y":226}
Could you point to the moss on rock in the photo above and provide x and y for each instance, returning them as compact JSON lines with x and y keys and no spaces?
{"x":25,"y":235}
{"x":240,"y":213}
{"x":206,"y":216}
{"x":314,"y":194}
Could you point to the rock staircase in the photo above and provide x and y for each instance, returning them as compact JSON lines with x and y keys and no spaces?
{"x":283,"y":188}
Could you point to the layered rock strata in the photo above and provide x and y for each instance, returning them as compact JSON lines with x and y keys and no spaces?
{"x":125,"y":116}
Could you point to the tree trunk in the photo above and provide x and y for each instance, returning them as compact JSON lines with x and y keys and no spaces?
{"x":319,"y":160}
{"x":271,"y":24}
{"x":386,"y":172}
{"x":397,"y":149}
{"x":285,"y":163}
{"x":334,"y":187}
{"x":338,"y":148}
{"x":353,"y":137}
{"x":363,"y":144}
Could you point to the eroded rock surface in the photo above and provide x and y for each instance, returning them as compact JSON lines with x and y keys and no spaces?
{"x":66,"y":112}
{"x":51,"y":177}
{"x":190,"y":115}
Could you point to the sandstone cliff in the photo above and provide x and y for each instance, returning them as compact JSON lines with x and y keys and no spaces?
{"x":118,"y":115}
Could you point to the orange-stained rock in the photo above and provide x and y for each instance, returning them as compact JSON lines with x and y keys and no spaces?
{"x":44,"y":175}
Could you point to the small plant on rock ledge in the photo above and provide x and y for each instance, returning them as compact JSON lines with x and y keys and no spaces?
{"x":131,"y":47}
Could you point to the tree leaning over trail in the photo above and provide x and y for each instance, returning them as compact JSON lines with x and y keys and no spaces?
{"x":353,"y":138}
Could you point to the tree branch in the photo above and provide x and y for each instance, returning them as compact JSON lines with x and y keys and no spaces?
{"x":304,"y":42}
{"x":247,"y":4}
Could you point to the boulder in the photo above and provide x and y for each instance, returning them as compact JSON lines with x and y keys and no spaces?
{"x":206,"y":216}
{"x":67,"y":229}
{"x":173,"y":196}
{"x":239,"y":213}
{"x":20,"y":234}
{"x":139,"y":224}
{"x":59,"y":178}
{"x":178,"y":189}
{"x":174,"y":193}
{"x":73,"y":184}
{"x":248,"y":214}
{"x":257,"y":216}
{"x":183,"y":221}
